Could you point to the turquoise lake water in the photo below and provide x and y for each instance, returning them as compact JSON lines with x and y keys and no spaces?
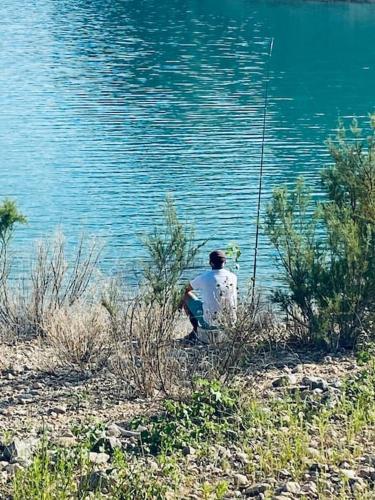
{"x":106,"y":106}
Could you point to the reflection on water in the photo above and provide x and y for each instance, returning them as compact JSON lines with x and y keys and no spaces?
{"x":106,"y":106}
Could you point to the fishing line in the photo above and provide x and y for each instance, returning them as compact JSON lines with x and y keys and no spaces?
{"x":261,"y":171}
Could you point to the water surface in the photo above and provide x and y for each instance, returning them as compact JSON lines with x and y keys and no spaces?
{"x":106,"y":106}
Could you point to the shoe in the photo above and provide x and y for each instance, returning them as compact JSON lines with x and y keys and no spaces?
{"x":189,"y":340}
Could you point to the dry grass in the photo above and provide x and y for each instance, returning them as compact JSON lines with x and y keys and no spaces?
{"x":143,"y":334}
{"x":52,"y":283}
{"x":80,"y":336}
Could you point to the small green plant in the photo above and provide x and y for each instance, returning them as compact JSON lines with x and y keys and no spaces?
{"x":207,"y":413}
{"x":49,"y":477}
{"x":327,"y":249}
{"x":10,"y":216}
{"x":233,"y":253}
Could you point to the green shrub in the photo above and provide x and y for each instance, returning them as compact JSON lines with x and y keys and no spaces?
{"x":9,"y":217}
{"x":171,"y":250}
{"x":327,"y":249}
{"x":207,"y":414}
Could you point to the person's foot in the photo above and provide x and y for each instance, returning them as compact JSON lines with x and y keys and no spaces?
{"x":189,"y":340}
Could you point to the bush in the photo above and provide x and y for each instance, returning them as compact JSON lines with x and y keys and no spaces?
{"x":80,"y":336}
{"x":208,"y":413}
{"x":171,"y":250}
{"x":143,"y":333}
{"x":52,"y":283}
{"x":327,"y":249}
{"x":9,"y":217}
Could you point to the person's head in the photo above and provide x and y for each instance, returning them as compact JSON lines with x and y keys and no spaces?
{"x":217,"y":259}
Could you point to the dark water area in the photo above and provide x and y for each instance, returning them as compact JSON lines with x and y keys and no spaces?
{"x":107,"y":106}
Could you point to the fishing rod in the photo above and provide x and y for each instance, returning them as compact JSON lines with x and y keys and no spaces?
{"x":261,"y":171}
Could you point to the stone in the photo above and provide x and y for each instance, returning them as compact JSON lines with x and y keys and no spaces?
{"x":95,"y":481}
{"x":58,"y":410}
{"x":106,"y":445}
{"x":369,"y":460}
{"x":66,"y":441}
{"x":292,"y":487}
{"x":358,"y":486}
{"x":223,"y":452}
{"x":188,"y":450}
{"x":310,"y":487}
{"x":13,"y":468}
{"x":241,"y":480}
{"x":242,"y":457}
{"x":298,"y":369}
{"x":114,"y":430}
{"x":367,"y":473}
{"x":20,"y":450}
{"x":256,"y":489}
{"x":349,"y":474}
{"x":313,"y":452}
{"x":152,"y":466}
{"x":98,"y":458}
{"x":315,"y":383}
{"x":284,"y":381}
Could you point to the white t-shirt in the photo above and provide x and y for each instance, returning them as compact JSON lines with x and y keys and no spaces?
{"x":218,"y":291}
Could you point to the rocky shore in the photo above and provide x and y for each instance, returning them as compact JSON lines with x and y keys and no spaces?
{"x":46,"y":406}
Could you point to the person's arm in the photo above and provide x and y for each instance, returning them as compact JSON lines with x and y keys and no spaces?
{"x":188,"y":289}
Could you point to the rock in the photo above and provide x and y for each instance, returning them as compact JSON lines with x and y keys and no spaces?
{"x":13,"y":468}
{"x":242,"y":457}
{"x":284,"y":381}
{"x":313,"y":452}
{"x":317,"y":391}
{"x":349,"y":474}
{"x":367,"y":473}
{"x":327,"y":359}
{"x":310,"y":487}
{"x":359,"y":485}
{"x":241,"y":480}
{"x":292,"y":487}
{"x":66,"y":441}
{"x":106,"y":445}
{"x":20,"y":450}
{"x":315,"y":383}
{"x":223,"y":452}
{"x":369,"y":460}
{"x":95,"y":481}
{"x":58,"y":410}
{"x":297,"y":369}
{"x":114,"y":430}
{"x":188,"y":450}
{"x":98,"y":458}
{"x":16,"y":369}
{"x":284,"y":473}
{"x":152,"y":466}
{"x":256,"y":489}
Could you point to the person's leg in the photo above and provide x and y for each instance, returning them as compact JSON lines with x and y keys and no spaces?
{"x":193,"y":308}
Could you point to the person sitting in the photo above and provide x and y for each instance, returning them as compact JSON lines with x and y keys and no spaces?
{"x":218,"y":292}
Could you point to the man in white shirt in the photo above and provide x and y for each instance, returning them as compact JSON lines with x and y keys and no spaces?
{"x":218,"y":291}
